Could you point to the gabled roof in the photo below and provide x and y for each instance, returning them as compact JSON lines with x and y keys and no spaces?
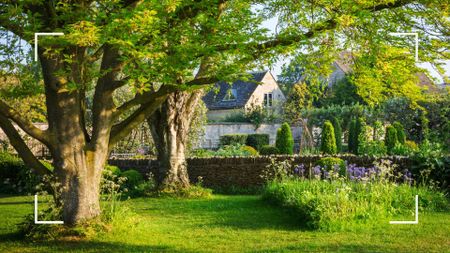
{"x":244,"y":89}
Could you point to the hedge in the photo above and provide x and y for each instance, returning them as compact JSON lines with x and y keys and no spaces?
{"x":257,"y":141}
{"x":328,"y":143}
{"x":233,"y":139}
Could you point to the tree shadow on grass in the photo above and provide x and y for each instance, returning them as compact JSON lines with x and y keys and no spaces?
{"x":243,"y":212}
{"x":81,"y":245}
{"x":350,"y":247}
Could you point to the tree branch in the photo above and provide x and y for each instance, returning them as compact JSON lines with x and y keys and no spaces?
{"x":40,"y":135}
{"x":21,"y":147}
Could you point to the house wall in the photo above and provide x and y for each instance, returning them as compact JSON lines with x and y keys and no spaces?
{"x":220,"y":115}
{"x":269,"y":86}
{"x":336,"y":75}
{"x":213,"y":131}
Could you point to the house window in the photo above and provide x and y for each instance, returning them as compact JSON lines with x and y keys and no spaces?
{"x":230,"y":95}
{"x":268,"y":99}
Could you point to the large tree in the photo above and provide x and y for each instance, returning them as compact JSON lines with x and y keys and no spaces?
{"x":164,"y":50}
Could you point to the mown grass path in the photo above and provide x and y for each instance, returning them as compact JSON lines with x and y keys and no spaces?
{"x":226,"y":224}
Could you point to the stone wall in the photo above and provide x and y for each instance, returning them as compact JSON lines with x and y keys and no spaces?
{"x":240,"y":171}
{"x":213,"y":131}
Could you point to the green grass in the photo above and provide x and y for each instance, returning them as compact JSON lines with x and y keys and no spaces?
{"x":226,"y":224}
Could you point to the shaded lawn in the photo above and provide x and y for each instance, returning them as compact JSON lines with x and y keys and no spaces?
{"x":226,"y":224}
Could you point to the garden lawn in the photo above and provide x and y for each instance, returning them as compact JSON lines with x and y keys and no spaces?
{"x":225,"y":224}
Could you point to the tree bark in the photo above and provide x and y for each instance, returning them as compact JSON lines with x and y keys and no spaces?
{"x":170,"y":127}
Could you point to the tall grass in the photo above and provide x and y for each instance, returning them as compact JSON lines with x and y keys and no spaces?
{"x":335,"y":203}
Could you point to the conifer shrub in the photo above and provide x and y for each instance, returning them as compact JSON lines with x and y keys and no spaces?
{"x":351,"y":136}
{"x":257,"y":140}
{"x":359,"y":127}
{"x":390,"y":140}
{"x":268,"y":150}
{"x":328,"y":143}
{"x":401,"y":136}
{"x":337,"y":133}
{"x":284,"y":141}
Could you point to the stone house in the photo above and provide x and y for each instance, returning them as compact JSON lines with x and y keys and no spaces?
{"x":227,"y":99}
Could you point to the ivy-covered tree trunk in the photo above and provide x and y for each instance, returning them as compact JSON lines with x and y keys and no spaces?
{"x":170,"y":128}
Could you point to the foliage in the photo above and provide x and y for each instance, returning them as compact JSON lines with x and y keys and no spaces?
{"x":337,"y":133}
{"x":389,"y":73}
{"x":352,"y":137}
{"x":236,"y":117}
{"x":372,"y":148}
{"x":235,"y":150}
{"x":338,"y":205}
{"x":343,"y":92}
{"x":257,"y":140}
{"x":359,"y":133}
{"x":378,"y":130}
{"x":201,"y":153}
{"x":269,"y":150}
{"x":431,"y":165}
{"x":15,"y":176}
{"x":284,"y":141}
{"x":390,"y":140}
{"x":401,"y":136}
{"x":233,"y":139}
{"x":329,"y":164}
{"x":328,"y":143}
{"x":132,"y":179}
{"x":345,"y":201}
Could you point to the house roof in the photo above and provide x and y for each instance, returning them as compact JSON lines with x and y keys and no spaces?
{"x":244,"y":89}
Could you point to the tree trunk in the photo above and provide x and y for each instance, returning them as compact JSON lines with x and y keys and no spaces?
{"x":170,"y":127}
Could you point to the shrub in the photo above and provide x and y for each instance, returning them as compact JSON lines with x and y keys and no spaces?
{"x":390,"y":140}
{"x":328,"y":143}
{"x":114,"y":170}
{"x":329,"y":164}
{"x":337,"y":133}
{"x":250,"y":150}
{"x":235,"y":150}
{"x":378,"y":130}
{"x":268,"y":150}
{"x":133,"y":179}
{"x":233,"y":139}
{"x":284,"y":141}
{"x":201,"y":153}
{"x":341,"y":205}
{"x":15,"y":177}
{"x":372,"y":148}
{"x":411,"y":145}
{"x":352,"y":136}
{"x":401,"y":136}
{"x":257,"y":140}
{"x":359,"y":130}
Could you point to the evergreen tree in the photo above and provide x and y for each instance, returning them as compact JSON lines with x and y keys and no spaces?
{"x":351,"y":136}
{"x":284,"y":142}
{"x":358,"y":129}
{"x":390,"y":140}
{"x":328,"y":144}
{"x":401,"y":136}
{"x":337,"y":133}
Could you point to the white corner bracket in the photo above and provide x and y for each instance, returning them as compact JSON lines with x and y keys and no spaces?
{"x":36,"y":221}
{"x":416,"y":221}
{"x":36,"y":41}
{"x":416,"y":35}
